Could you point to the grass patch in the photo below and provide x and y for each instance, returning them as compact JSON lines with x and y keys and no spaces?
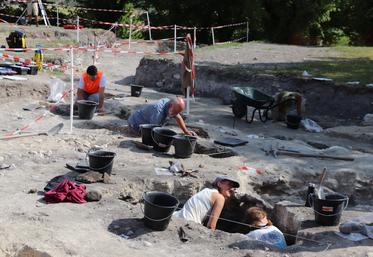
{"x":218,"y":46}
{"x":351,"y":64}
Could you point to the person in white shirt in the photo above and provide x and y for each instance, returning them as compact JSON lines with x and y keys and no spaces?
{"x":207,"y":204}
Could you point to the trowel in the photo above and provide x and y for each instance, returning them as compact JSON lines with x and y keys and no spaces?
{"x":53,"y":131}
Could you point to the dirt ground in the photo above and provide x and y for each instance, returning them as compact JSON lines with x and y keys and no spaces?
{"x":113,"y":226}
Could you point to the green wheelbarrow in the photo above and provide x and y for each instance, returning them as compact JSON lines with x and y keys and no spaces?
{"x":248,"y":96}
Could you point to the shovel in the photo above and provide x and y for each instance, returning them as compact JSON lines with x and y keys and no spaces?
{"x":53,"y":131}
{"x":320,"y":191}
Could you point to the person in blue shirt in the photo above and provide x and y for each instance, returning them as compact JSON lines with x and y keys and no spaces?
{"x":158,"y":113}
{"x":264,"y":230}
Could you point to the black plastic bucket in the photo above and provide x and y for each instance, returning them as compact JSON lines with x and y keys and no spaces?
{"x":86,"y":109}
{"x":184,"y":145}
{"x":136,"y":90}
{"x":293,"y":121}
{"x":146,"y":133}
{"x":328,"y":212}
{"x":101,"y":161}
{"x":158,"y":209}
{"x":162,"y":138}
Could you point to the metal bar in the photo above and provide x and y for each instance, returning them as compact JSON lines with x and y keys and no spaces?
{"x":150,"y":29}
{"x":77,"y":29}
{"x":72,"y":90}
{"x":213,"y":36}
{"x":130,"y":36}
{"x":175,"y":35}
{"x":195,"y":37}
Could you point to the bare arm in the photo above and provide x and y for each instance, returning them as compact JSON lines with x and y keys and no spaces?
{"x":79,"y":94}
{"x":180,"y":122}
{"x":101,"y":93}
{"x":218,"y":204}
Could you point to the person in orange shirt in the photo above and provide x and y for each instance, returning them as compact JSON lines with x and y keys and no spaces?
{"x":92,"y":87}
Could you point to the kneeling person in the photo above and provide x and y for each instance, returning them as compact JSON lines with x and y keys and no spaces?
{"x":92,"y":87}
{"x":157,"y":113}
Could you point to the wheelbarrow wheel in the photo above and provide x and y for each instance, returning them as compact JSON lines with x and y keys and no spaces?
{"x":239,"y":110}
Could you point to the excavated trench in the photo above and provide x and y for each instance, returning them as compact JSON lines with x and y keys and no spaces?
{"x":326,"y":102}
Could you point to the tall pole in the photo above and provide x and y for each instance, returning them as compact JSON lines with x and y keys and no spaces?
{"x":130,"y":36}
{"x":213,"y":36}
{"x":175,"y":38}
{"x":247,"y":31}
{"x":149,"y":28}
{"x":77,"y":29}
{"x":195,"y":37}
{"x":72,"y":90}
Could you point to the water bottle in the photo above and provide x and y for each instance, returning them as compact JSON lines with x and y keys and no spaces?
{"x":310,"y":191}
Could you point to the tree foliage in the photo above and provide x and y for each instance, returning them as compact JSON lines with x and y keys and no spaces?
{"x":281,"y":21}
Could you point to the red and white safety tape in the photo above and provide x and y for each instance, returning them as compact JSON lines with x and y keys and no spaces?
{"x":143,"y":26}
{"x":28,"y":61}
{"x":39,"y":117}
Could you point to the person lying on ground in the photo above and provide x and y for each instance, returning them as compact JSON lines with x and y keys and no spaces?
{"x":92,"y":87}
{"x":263,"y":228}
{"x":208,"y":204}
{"x":288,"y":103}
{"x":157,"y":113}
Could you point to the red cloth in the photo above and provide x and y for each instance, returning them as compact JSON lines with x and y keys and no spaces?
{"x":66,"y":191}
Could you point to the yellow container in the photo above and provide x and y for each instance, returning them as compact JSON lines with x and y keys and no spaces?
{"x":39,"y":58}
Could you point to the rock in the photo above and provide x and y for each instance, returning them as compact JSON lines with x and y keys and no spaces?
{"x":107,"y":178}
{"x":93,"y":196}
{"x":368,"y":119}
{"x":128,"y":197}
{"x":32,"y":191}
{"x":336,"y":150}
{"x":27,"y":251}
{"x":4,"y":166}
{"x":90,"y":177}
{"x":215,"y":151}
{"x":148,"y":244}
{"x":289,"y":217}
{"x":176,"y":76}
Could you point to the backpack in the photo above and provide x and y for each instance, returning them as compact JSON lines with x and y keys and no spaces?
{"x":16,"y":39}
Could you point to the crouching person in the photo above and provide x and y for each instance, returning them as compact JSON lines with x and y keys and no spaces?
{"x":263,"y":228}
{"x":208,"y":204}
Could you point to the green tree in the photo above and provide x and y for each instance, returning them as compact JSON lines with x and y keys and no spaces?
{"x":291,"y":21}
{"x":130,"y":13}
